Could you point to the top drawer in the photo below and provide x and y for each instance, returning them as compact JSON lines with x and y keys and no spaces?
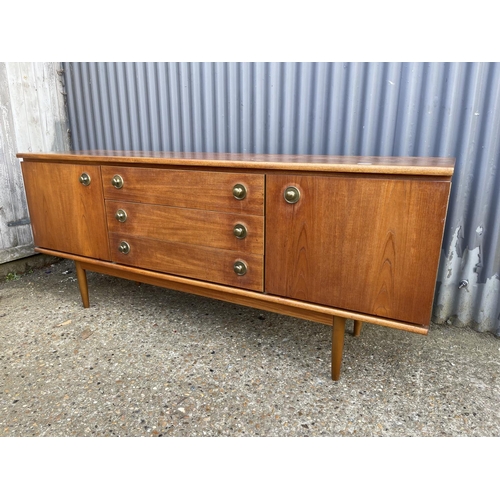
{"x":186,"y":188}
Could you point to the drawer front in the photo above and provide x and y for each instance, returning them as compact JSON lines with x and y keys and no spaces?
{"x":191,"y":261}
{"x":184,"y":225}
{"x":186,"y":189}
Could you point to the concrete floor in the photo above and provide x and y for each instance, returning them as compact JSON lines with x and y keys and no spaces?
{"x":146,"y":361}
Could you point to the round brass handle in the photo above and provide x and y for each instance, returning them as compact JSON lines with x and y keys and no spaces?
{"x":124,"y":247}
{"x":240,"y":231}
{"x":240,"y":268}
{"x":121,"y":215}
{"x":291,"y":194}
{"x":239,"y":191}
{"x":84,"y":179}
{"x":117,"y":181}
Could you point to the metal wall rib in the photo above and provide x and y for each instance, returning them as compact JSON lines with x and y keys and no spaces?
{"x":407,"y":109}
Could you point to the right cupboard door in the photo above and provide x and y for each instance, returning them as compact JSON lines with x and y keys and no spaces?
{"x":364,"y":244}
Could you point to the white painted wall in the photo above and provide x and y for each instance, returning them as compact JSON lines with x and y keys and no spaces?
{"x":32,"y":119}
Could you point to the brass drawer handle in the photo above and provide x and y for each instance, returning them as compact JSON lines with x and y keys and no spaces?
{"x":240,"y":231}
{"x":117,"y":181}
{"x":240,"y":268}
{"x":124,"y":247}
{"x":291,"y":194}
{"x":84,"y":179}
{"x":239,"y":191}
{"x":121,"y":215}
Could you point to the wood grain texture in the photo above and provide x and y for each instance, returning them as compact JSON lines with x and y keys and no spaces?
{"x":65,"y":215}
{"x":182,"y":225}
{"x":33,"y":118}
{"x":281,"y":305}
{"x":361,"y":164}
{"x":365,"y":245}
{"x":203,"y":263}
{"x":186,"y":189}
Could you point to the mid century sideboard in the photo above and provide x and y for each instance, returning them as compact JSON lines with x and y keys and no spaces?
{"x":323,"y":238}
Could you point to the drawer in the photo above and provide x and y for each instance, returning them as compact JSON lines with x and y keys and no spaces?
{"x":192,"y":261}
{"x":186,"y":189}
{"x":184,"y":225}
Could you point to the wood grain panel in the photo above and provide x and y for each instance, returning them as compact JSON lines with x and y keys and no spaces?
{"x":65,"y":215}
{"x":365,"y":245}
{"x":195,"y":227}
{"x":406,"y":165}
{"x":203,"y":263}
{"x":187,"y":189}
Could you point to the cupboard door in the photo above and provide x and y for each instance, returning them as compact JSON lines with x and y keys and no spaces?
{"x":66,"y":214}
{"x":370,"y":245}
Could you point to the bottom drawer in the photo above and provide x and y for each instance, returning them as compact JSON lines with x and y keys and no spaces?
{"x":192,"y":261}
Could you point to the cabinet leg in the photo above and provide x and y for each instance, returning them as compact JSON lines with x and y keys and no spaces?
{"x":337,"y":345}
{"x":357,"y":328}
{"x":82,"y":283}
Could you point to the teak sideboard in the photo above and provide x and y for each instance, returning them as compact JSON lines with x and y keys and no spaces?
{"x":323,"y":238}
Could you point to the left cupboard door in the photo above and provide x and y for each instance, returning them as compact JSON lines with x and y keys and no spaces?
{"x":66,"y":208}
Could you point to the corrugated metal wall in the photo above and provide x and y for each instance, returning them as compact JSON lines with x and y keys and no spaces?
{"x":32,"y":118}
{"x":407,"y":109}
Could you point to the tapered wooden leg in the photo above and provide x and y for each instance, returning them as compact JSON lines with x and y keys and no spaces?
{"x":82,"y":283}
{"x":337,"y":345}
{"x":357,"y":327}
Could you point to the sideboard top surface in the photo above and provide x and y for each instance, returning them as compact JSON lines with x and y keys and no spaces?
{"x":315,"y":163}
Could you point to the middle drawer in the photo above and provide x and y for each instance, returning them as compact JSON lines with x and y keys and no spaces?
{"x":228,"y":231}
